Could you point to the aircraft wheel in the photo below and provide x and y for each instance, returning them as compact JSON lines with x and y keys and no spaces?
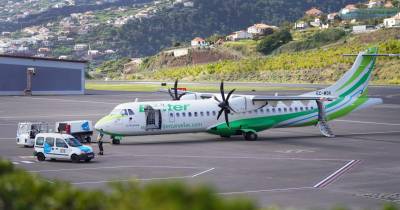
{"x":88,"y":139}
{"x":116,"y":141}
{"x":225,"y":136}
{"x":250,"y":136}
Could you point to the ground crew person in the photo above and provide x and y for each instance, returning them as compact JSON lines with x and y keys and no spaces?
{"x":100,"y":142}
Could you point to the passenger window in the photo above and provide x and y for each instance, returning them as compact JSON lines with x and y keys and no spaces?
{"x":267,"y":110}
{"x":273,"y":109}
{"x":279,"y":109}
{"x":171,"y":114}
{"x":214,"y":113}
{"x":306,"y":108}
{"x":290,"y":109}
{"x":131,"y":112}
{"x":295,"y":109}
{"x":208,"y":113}
{"x":183,"y":114}
{"x":177,"y":114}
{"x":312,"y":108}
{"x":39,"y":141}
{"x":301,"y":108}
{"x":195,"y":114}
{"x":189,"y":114}
{"x":202,"y":114}
{"x":256,"y":111}
{"x":285,"y":109}
{"x":262,"y":110}
{"x":61,"y":143}
{"x":50,"y":141}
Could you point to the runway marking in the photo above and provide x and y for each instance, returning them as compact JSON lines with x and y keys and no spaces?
{"x":297,"y":151}
{"x":335,"y":175}
{"x":15,"y":163}
{"x":114,"y":167}
{"x":70,"y":100}
{"x":26,"y":161}
{"x":383,"y":132}
{"x":145,"y":179}
{"x":203,"y":172}
{"x":133,"y":179}
{"x":48,"y":116}
{"x":266,"y":190}
{"x":366,"y":122}
{"x":228,"y":157}
{"x":27,"y":157}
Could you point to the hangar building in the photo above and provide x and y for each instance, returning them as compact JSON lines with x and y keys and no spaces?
{"x":41,"y":76}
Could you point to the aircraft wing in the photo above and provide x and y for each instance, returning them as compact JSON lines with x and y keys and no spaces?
{"x":292,"y":98}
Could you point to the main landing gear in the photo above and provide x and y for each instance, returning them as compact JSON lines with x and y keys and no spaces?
{"x":115,"y":140}
{"x":250,"y":136}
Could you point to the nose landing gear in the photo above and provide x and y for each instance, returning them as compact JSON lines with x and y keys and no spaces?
{"x":115,"y":140}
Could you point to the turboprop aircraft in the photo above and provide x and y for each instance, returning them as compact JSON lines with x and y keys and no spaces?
{"x":245,"y":115}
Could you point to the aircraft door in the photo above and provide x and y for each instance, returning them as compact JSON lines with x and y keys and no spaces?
{"x":153,"y":118}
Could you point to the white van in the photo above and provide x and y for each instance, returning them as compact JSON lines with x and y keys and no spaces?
{"x":61,"y":146}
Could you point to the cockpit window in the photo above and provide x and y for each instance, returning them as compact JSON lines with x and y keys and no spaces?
{"x":119,"y":111}
{"x":131,"y":112}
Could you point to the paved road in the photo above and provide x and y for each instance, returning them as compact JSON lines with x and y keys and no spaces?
{"x":288,"y":167}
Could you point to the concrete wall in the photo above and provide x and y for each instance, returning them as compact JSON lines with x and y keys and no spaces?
{"x":52,"y":77}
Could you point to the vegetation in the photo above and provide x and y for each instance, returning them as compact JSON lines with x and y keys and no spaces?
{"x":321,"y":65}
{"x":318,"y":39}
{"x":112,"y":68}
{"x":20,"y":190}
{"x":272,"y":42}
{"x":207,"y":17}
{"x":196,"y":88}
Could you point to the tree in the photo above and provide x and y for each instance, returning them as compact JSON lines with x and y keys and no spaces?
{"x":272,"y":42}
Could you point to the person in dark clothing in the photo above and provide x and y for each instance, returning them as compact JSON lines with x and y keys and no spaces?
{"x":100,"y":143}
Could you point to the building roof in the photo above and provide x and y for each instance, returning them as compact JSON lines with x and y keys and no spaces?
{"x":198,"y":39}
{"x":40,"y":58}
{"x":351,"y":7}
{"x":397,"y":16}
{"x":314,"y":12}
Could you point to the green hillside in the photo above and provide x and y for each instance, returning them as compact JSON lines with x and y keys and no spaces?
{"x":323,"y":64}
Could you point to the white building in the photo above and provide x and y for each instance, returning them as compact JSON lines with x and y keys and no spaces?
{"x":300,"y":25}
{"x":198,"y":42}
{"x":79,"y":47}
{"x":238,"y":35}
{"x":392,"y":22}
{"x":261,"y":29}
{"x":375,"y":3}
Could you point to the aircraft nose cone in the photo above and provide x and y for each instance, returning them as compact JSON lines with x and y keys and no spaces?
{"x":101,"y":124}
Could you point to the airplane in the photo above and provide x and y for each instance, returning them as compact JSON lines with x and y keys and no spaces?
{"x":246,"y":115}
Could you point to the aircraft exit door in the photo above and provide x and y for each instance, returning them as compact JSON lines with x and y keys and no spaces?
{"x":153,"y":118}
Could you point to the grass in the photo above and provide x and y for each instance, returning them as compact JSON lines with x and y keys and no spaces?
{"x":195,"y":88}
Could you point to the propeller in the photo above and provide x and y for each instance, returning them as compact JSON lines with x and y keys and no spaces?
{"x":224,"y":104}
{"x":174,"y":92}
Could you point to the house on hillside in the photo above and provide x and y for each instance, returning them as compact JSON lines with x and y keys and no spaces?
{"x":348,"y":8}
{"x":375,"y":3}
{"x":388,"y":4}
{"x":79,"y":47}
{"x":316,"y":23}
{"x":314,"y":12}
{"x":198,"y":42}
{"x":261,"y":29}
{"x":238,"y":35}
{"x":392,"y":22}
{"x":332,"y":16}
{"x":301,"y":25}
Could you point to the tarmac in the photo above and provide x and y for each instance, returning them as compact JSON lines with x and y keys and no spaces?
{"x":290,"y":168}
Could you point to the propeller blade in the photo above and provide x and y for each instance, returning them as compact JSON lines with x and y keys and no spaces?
{"x":226,"y":118}
{"x":176,"y":89}
{"x":221,"y":88}
{"x":229,"y":95}
{"x":230,"y":108}
{"x":219,"y":113}
{"x":170,"y":93}
{"x":217,"y":99}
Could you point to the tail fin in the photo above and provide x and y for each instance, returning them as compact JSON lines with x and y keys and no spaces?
{"x":355,"y":81}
